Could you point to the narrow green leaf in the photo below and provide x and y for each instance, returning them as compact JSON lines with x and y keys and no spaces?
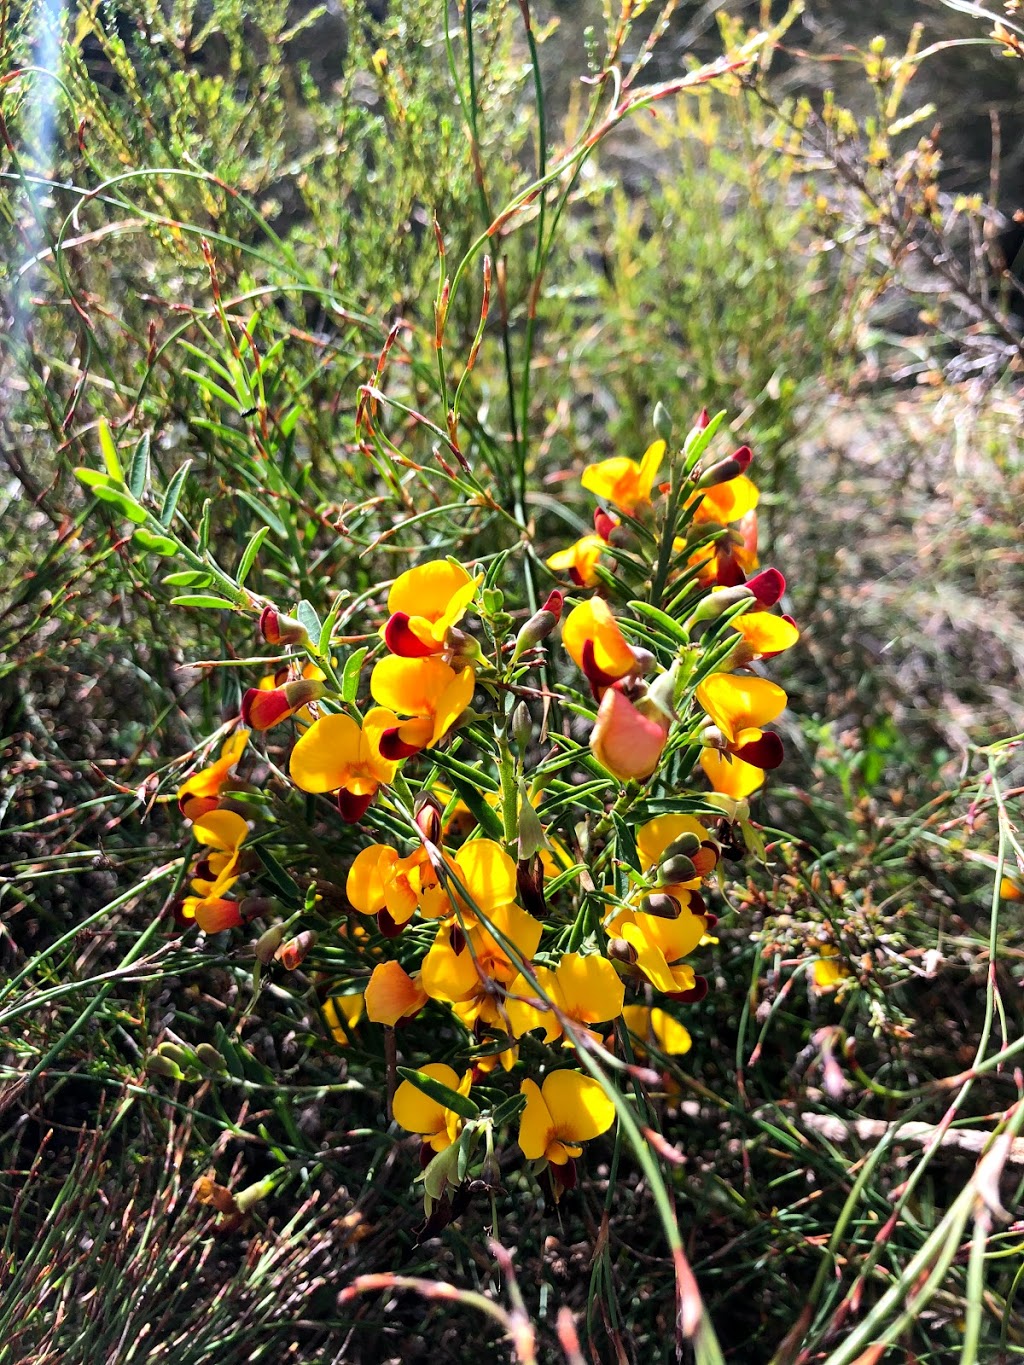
{"x":324,"y":643}
{"x":626,"y":843}
{"x":271,"y":519}
{"x":123,"y":501}
{"x":110,"y":456}
{"x":507,"y":1110}
{"x":188,"y":578}
{"x":306,"y":613}
{"x":249,"y":554}
{"x":350,"y":674}
{"x":92,"y":478}
{"x":284,"y":883}
{"x":671,"y":627}
{"x":170,"y":504}
{"x":485,"y":816}
{"x":202,"y":600}
{"x":158,"y":545}
{"x":448,"y":1098}
{"x":138,"y":472}
{"x":204,"y":525}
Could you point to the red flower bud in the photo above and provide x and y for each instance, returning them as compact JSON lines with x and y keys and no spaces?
{"x":394,"y":748}
{"x":278,"y":629}
{"x":743,"y":456}
{"x":428,"y":814}
{"x":604,"y":523}
{"x":263,"y":708}
{"x":291,"y":954}
{"x":702,"y":419}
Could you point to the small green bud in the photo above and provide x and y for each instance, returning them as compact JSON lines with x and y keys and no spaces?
{"x":268,"y":943}
{"x":522,"y":727}
{"x":210,"y":1058}
{"x":171,"y":1052}
{"x":686,"y":845}
{"x":662,"y":422}
{"x":163,"y":1066}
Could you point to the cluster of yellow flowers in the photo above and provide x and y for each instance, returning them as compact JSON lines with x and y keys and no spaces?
{"x":500,"y":961}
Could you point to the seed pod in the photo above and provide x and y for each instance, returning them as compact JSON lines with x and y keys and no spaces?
{"x":661,"y":905}
{"x":171,"y":1052}
{"x":163,"y":1066}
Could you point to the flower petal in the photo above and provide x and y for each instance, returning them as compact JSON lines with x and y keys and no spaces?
{"x":578,"y":1105}
{"x":536,"y":1126}
{"x":392,"y":994}
{"x":325,"y":754}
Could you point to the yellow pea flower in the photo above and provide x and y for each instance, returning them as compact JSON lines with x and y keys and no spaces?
{"x":428,"y":691}
{"x":424,"y":604}
{"x":591,"y":635}
{"x":201,"y":792}
{"x":566,"y":1111}
{"x":828,"y":970}
{"x":342,"y":1013}
{"x":586,"y":989}
{"x":580,"y":560}
{"x":471,"y":970}
{"x":212,"y":913}
{"x":418,"y":1113}
{"x":730,"y":775}
{"x":737,"y":702}
{"x":622,"y":481}
{"x":763,"y":634}
{"x":726,"y":502}
{"x":660,"y":945}
{"x":223,"y":833}
{"x":336,"y":754}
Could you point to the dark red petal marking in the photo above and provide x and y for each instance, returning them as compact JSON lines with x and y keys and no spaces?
{"x":352,"y":808}
{"x":766,"y":752}
{"x":394,"y":748}
{"x":401,"y":640}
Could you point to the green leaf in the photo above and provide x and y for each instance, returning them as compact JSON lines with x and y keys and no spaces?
{"x":306,"y":613}
{"x":204,"y":525}
{"x":189,"y":578}
{"x":123,"y":501}
{"x":173,"y":493}
{"x":485,"y":816}
{"x":284,"y":883}
{"x":350,"y":675}
{"x":626,"y":843}
{"x":92,"y":478}
{"x":249,"y":554}
{"x":671,"y":627}
{"x":202,"y":600}
{"x":271,"y":519}
{"x":110,"y":456}
{"x":138,"y":473}
{"x":159,"y":545}
{"x":324,"y":643}
{"x":508,"y":1109}
{"x":449,"y":1099}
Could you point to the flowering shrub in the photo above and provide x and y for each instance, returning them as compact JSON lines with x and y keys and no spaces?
{"x":529,"y":813}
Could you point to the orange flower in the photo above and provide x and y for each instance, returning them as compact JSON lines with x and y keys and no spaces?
{"x":391,"y":994}
{"x":725,"y":502}
{"x":428,"y":691}
{"x":201,"y":792}
{"x":212,"y":914}
{"x":622,"y":481}
{"x":425,"y":603}
{"x":337,"y":755}
{"x":595,"y":643}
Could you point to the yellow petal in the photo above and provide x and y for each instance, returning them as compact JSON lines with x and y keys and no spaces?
{"x":523,"y":1015}
{"x":590,"y":987}
{"x":366,"y":877}
{"x":727,"y":502}
{"x":730,"y":775}
{"x":410,"y":687}
{"x":452,"y":702}
{"x":654,"y":838}
{"x":221,"y":829}
{"x":593,"y":621}
{"x":325,"y":754}
{"x":342,"y":1013}
{"x":428,"y":589}
{"x":536,"y":1126}
{"x":447,"y":975}
{"x":737,"y":701}
{"x":648,"y":472}
{"x":487,"y":872}
{"x":417,"y":1112}
{"x":578,"y":1105}
{"x":766,"y":633}
{"x":391,"y":994}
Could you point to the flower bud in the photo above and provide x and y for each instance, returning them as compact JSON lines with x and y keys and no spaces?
{"x":264,"y":708}
{"x":686,"y":845}
{"x":292,"y":953}
{"x":540,"y":625}
{"x":171,"y":1052}
{"x":662,"y":692}
{"x":619,"y":950}
{"x":662,"y":422}
{"x":717,"y":603}
{"x":625,"y":741}
{"x":661,"y":906}
{"x":703,"y":419}
{"x":724,"y":470}
{"x":428,"y":812}
{"x":163,"y":1066}
{"x":677,"y":869}
{"x":522,"y":727}
{"x":604,"y":523}
{"x":268,"y":943}
{"x":211,"y":1059}
{"x":278,"y":629}
{"x":252,"y":1194}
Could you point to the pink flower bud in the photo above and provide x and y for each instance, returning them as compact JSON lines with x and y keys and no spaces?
{"x":291,"y":954}
{"x":604,"y":523}
{"x":626,"y":742}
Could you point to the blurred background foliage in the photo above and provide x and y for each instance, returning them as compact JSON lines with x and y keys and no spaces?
{"x":815,"y":265}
